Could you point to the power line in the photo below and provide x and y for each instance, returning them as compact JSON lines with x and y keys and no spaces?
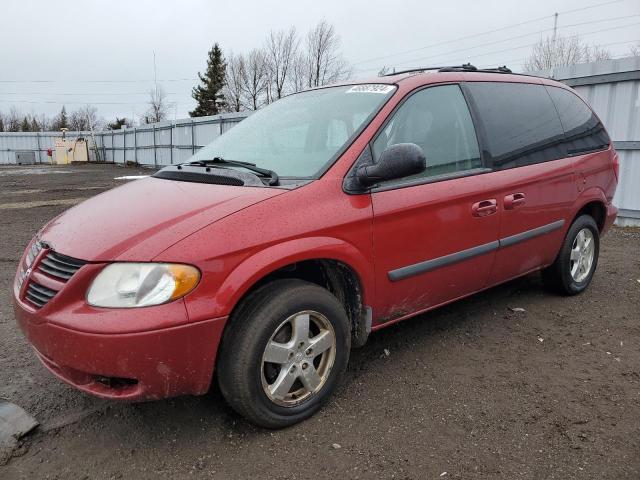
{"x":81,"y":94}
{"x":486,"y":32}
{"x":53,"y":102}
{"x":522,"y":59}
{"x":533,"y":44}
{"x":101,"y":81}
{"x":517,"y":37}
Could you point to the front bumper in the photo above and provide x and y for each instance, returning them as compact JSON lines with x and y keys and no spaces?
{"x":144,"y":365}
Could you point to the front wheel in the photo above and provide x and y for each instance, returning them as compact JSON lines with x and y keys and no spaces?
{"x":573,"y":269}
{"x":284,"y":353}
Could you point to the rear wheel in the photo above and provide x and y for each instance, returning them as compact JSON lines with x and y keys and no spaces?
{"x":284,"y":353}
{"x":573,"y":269}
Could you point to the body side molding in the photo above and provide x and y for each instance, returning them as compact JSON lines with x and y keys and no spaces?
{"x":428,"y":265}
{"x":524,"y":236}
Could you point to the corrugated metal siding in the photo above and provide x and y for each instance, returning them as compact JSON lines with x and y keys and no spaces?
{"x":618,"y":105}
{"x":34,"y":142}
{"x":158,"y":144}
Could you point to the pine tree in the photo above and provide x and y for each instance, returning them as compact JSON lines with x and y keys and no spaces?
{"x":25,"y":126}
{"x":209,"y":94}
{"x":61,"y":120}
{"x":118,"y":124}
{"x":34,"y":125}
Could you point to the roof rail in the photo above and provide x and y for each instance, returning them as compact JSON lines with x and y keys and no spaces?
{"x":467,"y":67}
{"x":411,"y":70}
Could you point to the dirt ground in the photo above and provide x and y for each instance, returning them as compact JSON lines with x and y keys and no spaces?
{"x":472,"y":390}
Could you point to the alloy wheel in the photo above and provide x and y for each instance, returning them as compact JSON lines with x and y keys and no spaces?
{"x":298,"y":358}
{"x":582,"y":255}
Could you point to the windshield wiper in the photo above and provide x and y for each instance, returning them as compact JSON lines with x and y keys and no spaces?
{"x":273,"y":176}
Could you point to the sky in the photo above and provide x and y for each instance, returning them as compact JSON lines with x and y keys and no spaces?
{"x":75,"y":52}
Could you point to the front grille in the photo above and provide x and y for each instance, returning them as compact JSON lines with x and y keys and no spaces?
{"x":59,"y":266}
{"x":38,"y":294}
{"x":54,"y":265}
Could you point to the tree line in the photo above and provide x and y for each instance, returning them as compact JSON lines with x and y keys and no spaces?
{"x":287,"y":62}
{"x":83,"y":119}
{"x":559,"y":51}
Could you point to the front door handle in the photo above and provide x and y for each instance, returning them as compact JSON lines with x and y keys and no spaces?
{"x":484,"y":208}
{"x":513,"y":201}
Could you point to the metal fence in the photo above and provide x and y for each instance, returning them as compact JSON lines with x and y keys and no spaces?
{"x":156,"y":144}
{"x":612,"y":88}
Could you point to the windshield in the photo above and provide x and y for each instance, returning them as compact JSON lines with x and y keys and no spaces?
{"x":301,"y":135}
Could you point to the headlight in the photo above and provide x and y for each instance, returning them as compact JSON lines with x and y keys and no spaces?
{"x":35,"y":248}
{"x":127,"y":285}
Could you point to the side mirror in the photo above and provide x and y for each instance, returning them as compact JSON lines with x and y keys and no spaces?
{"x":397,"y":161}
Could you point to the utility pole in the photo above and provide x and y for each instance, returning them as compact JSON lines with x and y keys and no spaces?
{"x":553,"y":39}
{"x":155,"y":71}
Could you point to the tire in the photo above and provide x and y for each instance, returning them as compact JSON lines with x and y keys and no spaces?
{"x":270,"y":317}
{"x":565,"y":276}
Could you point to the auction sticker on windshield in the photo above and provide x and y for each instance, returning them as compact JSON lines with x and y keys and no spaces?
{"x":371,"y":88}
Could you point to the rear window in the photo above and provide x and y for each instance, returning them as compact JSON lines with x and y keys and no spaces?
{"x":583,"y":131}
{"x":520,"y":122}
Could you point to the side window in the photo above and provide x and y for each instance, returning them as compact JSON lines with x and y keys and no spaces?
{"x":583,"y":131}
{"x":436,"y":119}
{"x":520,"y":122}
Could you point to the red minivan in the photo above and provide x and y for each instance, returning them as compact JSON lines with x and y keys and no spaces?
{"x":325,"y":216}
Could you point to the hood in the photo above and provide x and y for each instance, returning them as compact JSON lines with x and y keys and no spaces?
{"x":137,"y":221}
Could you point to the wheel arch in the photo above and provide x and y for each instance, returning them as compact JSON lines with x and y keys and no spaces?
{"x":329,"y":262}
{"x":594,"y":203}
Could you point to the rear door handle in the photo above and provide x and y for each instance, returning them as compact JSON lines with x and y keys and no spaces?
{"x":484,"y":208}
{"x":513,"y":201}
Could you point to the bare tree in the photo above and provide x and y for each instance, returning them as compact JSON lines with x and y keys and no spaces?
{"x":552,"y":52}
{"x":85,"y":119}
{"x":268,"y":96}
{"x":298,"y":80}
{"x":44,"y":122}
{"x":158,"y":106}
{"x":234,"y":75}
{"x":281,"y":50}
{"x":635,"y":50}
{"x":324,"y":60}
{"x":254,"y":79}
{"x":12,"y":121}
{"x":595,"y":53}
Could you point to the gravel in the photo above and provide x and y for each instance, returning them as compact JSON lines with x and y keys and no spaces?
{"x":512,"y":383}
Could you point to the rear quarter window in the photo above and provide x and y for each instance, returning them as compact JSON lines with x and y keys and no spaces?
{"x":520,"y":123}
{"x":583,"y":131}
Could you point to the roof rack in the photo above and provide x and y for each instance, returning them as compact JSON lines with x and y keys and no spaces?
{"x":467,"y":67}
